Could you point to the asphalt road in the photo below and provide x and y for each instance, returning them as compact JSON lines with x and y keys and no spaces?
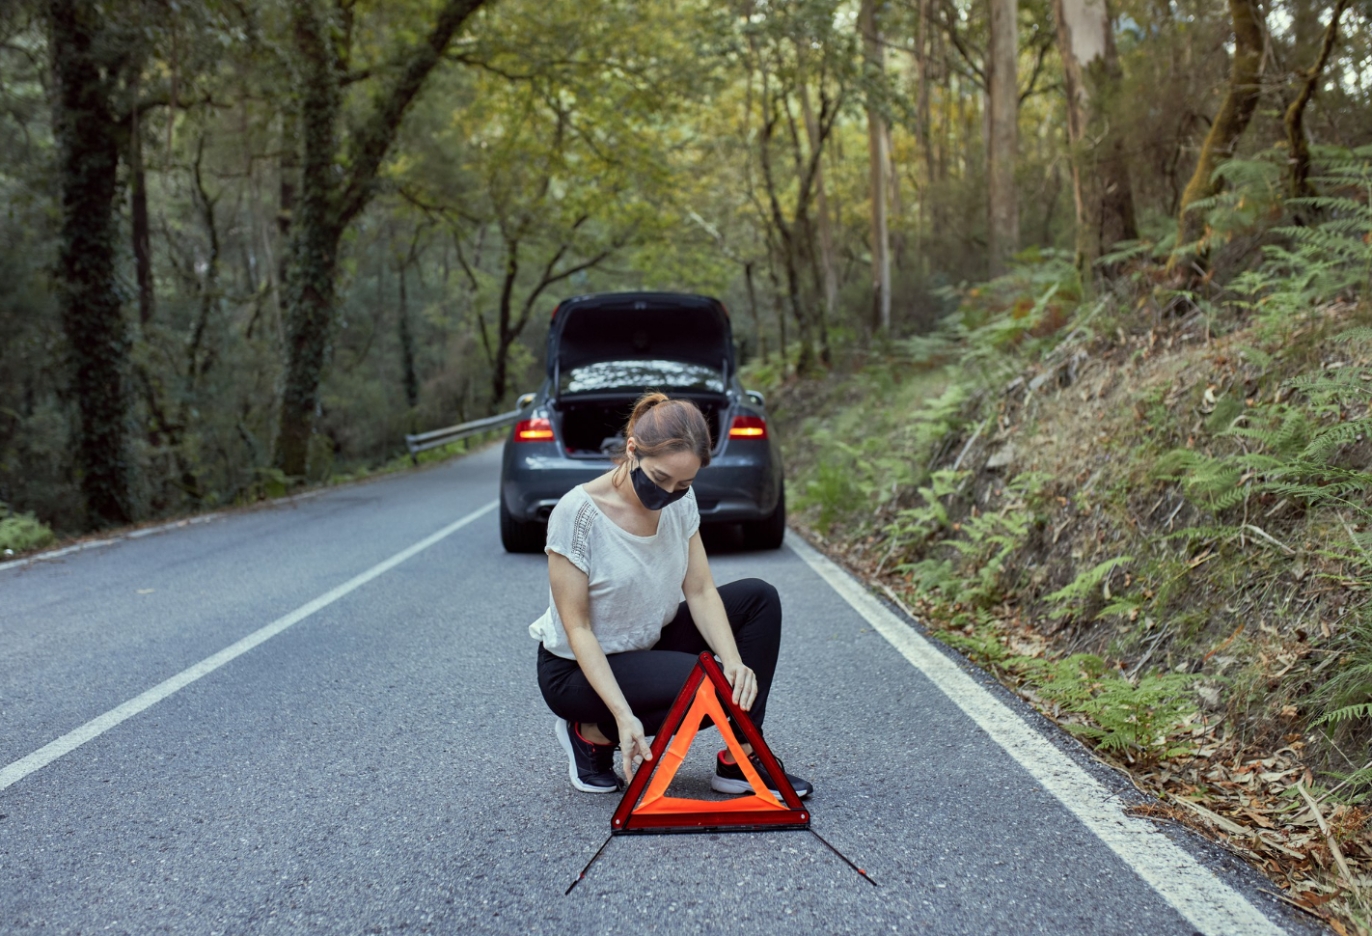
{"x":382,"y":762}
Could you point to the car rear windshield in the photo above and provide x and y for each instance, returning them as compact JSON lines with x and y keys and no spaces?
{"x":637,"y":376}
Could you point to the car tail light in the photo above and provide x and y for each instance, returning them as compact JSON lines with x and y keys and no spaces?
{"x":533,"y":430}
{"x":748,"y":427}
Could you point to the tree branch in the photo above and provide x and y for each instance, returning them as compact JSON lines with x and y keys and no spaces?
{"x":1038,"y":69}
{"x":978,"y":74}
{"x":371,"y":140}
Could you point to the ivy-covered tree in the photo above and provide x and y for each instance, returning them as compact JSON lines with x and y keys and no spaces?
{"x":341,"y":156}
{"x":87,"y":61}
{"x":1240,"y":101}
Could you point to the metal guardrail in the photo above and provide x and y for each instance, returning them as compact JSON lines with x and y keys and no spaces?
{"x":437,"y":437}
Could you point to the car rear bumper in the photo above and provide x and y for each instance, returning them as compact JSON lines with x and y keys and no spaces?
{"x":731,"y":490}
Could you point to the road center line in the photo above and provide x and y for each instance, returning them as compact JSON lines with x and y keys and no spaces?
{"x":72,"y":740}
{"x":1212,"y":906}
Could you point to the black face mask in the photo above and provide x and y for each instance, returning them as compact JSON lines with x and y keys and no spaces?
{"x":649,"y":494}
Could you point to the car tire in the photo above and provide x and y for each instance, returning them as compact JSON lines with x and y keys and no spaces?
{"x":770,"y":531}
{"x":518,"y":536}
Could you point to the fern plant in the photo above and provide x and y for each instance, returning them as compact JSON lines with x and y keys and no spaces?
{"x":1086,"y":582}
{"x":1130,"y":718}
{"x":1321,"y":260}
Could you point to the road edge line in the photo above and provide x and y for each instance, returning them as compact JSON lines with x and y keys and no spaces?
{"x":18,"y":770}
{"x":1193,"y":890}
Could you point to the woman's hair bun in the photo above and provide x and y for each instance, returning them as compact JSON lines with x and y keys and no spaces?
{"x":645,"y":403}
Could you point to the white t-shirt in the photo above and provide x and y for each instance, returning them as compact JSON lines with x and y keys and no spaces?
{"x":635,"y":581}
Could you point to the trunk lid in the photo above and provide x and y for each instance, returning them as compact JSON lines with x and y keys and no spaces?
{"x":624,"y":341}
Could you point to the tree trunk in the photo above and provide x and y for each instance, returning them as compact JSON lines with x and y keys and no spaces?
{"x":138,"y":197}
{"x":1240,"y":100}
{"x":828,"y":265}
{"x":1298,"y":184}
{"x":896,"y":209}
{"x":209,"y":282}
{"x":923,"y":45}
{"x":776,"y":307}
{"x":315,"y":233}
{"x":331,"y":196}
{"x":1101,"y":187}
{"x":85,"y":129}
{"x":759,"y":336}
{"x":505,"y":333}
{"x":1002,"y":227}
{"x":287,"y":186}
{"x":409,"y":376}
{"x":877,"y":162}
{"x":785,"y":245}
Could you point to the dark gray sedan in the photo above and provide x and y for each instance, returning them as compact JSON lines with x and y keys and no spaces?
{"x":603,"y":352}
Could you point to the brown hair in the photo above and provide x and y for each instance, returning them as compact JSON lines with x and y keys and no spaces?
{"x":661,"y":426}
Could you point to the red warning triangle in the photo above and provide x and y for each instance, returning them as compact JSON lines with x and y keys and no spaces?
{"x":646,"y":807}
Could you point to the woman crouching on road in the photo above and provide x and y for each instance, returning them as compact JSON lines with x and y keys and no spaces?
{"x":617,"y":641}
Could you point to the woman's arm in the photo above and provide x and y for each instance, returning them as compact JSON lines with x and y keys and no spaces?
{"x":572,"y":595}
{"x":707,"y":610}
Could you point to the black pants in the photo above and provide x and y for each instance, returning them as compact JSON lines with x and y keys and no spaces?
{"x":651,"y":679}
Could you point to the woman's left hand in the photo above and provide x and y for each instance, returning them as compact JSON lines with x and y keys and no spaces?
{"x":744,"y":682}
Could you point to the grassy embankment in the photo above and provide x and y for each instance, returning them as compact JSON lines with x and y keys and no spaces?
{"x":1149,"y":513}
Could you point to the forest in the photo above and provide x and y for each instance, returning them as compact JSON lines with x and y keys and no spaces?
{"x":1060,"y":306}
{"x":252,"y":244}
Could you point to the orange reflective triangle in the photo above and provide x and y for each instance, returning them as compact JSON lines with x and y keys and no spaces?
{"x":646,"y":807}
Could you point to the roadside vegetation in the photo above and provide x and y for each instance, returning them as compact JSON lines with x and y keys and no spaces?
{"x":1149,"y":511}
{"x":21,"y":533}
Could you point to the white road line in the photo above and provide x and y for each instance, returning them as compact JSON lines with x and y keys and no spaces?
{"x":1212,"y":906}
{"x":72,"y":740}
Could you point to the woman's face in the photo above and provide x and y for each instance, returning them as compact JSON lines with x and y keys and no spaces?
{"x":672,"y":472}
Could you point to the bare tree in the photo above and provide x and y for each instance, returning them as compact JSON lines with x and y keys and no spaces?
{"x":1002,"y":95}
{"x":1294,"y":119}
{"x":878,"y":160}
{"x":1100,"y":173}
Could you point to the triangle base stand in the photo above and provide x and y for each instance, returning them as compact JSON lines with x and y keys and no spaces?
{"x":647,"y":810}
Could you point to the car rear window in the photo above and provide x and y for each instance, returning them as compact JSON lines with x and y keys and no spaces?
{"x":636,"y":376}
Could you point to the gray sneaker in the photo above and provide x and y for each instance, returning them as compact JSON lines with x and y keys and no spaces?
{"x":591,"y":766}
{"x":729,"y":778}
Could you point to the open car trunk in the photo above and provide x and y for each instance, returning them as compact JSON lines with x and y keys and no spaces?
{"x":592,"y":425}
{"x":604,"y":351}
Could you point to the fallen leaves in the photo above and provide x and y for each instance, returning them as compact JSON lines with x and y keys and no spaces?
{"x":1260,"y":808}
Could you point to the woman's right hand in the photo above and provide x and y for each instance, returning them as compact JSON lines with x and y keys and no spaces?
{"x":633,"y":744}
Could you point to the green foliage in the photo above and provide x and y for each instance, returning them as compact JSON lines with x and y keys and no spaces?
{"x":987,"y":543}
{"x":1327,"y":256}
{"x":1212,"y":482}
{"x":21,"y":532}
{"x":1132,"y":718}
{"x":1294,"y":448}
{"x":1251,"y":195}
{"x":915,"y":525}
{"x":1086,"y":582}
{"x":1304,"y":449}
{"x":978,"y":562}
{"x":1345,"y":700}
{"x":834,"y":486}
{"x":271,"y":483}
{"x":982,"y":644}
{"x":1135,"y":718}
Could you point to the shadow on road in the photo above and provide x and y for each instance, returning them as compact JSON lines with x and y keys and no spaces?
{"x":723,"y":539}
